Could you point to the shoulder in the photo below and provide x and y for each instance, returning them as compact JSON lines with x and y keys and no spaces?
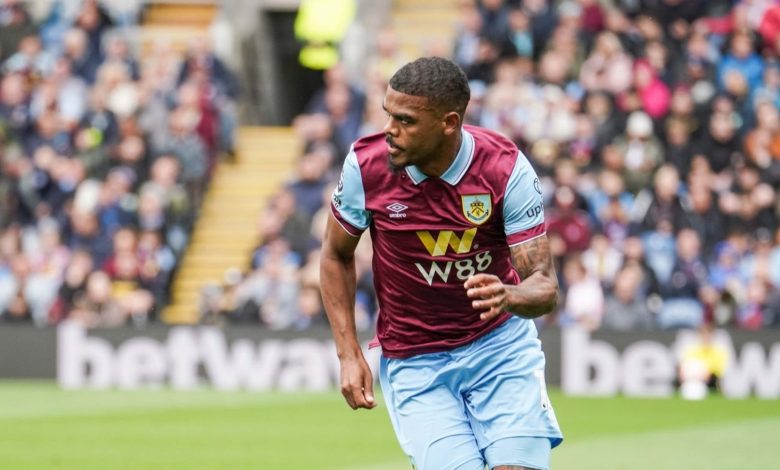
{"x":495,"y":155}
{"x":370,"y":149}
{"x":492,"y":141}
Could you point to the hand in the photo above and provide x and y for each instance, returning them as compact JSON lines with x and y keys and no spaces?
{"x":489,"y":293}
{"x":357,"y":383}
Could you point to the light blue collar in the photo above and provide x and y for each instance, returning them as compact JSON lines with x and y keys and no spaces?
{"x":458,"y":167}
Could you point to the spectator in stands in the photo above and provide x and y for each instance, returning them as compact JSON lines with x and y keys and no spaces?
{"x":602,"y":260}
{"x":63,"y":93}
{"x":76,"y":48}
{"x":97,"y":306}
{"x":345,"y":116}
{"x":495,"y":20}
{"x":219,"y":85}
{"x":610,"y":206}
{"x":641,"y":151}
{"x":387,"y":58}
{"x":703,"y":216}
{"x":273,"y":284}
{"x":86,"y":233}
{"x":742,"y":59}
{"x":720,"y":141}
{"x":653,"y":92}
{"x":30,"y":60}
{"x":634,"y":255}
{"x":15,"y":25}
{"x":679,"y":150}
{"x":94,"y":20}
{"x":726,"y":277}
{"x":584,"y":298}
{"x":749,"y":203}
{"x":625,"y":307}
{"x":74,"y":285}
{"x":312,"y":177}
{"x":608,"y":67}
{"x":660,"y":205}
{"x":15,"y":115}
{"x":310,"y":310}
{"x":520,"y":32}
{"x":177,"y":210}
{"x":467,"y":38}
{"x":599,"y":107}
{"x":182,"y":141}
{"x":682,"y":307}
{"x":117,"y":51}
{"x":568,"y":227}
{"x":482,"y":68}
{"x":48,"y":259}
{"x":14,"y":273}
{"x":762,"y":143}
{"x":157,"y":262}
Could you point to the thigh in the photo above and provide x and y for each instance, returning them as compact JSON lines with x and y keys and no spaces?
{"x":430,"y":421}
{"x":506,"y":400}
{"x":519,"y":452}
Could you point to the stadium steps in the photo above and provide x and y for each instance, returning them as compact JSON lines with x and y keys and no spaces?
{"x":189,"y":13}
{"x":175,"y":24}
{"x":420,"y":26}
{"x":227,"y":229}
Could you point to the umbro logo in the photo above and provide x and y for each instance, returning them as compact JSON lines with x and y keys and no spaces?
{"x":397,"y":210}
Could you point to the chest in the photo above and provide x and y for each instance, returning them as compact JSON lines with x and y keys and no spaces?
{"x":435,"y":203}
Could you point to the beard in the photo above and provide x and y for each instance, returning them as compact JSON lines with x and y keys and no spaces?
{"x":395,"y":169}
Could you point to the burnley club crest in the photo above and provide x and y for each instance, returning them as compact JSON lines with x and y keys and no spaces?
{"x":476,"y":207}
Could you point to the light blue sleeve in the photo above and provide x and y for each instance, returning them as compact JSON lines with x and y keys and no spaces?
{"x":349,"y":197}
{"x":523,"y":201}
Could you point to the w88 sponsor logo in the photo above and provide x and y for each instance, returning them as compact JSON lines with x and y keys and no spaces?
{"x":462,"y":269}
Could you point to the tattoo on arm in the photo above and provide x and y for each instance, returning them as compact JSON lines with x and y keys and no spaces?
{"x":537,"y":293}
{"x":532,"y":256}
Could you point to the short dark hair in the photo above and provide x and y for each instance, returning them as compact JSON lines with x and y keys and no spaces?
{"x":438,"y":79}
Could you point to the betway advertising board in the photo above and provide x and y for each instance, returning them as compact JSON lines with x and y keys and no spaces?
{"x":581,"y":363}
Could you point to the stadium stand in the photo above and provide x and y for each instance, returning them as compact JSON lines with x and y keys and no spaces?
{"x":106,"y":153}
{"x":644,"y":122}
{"x":654,"y":127}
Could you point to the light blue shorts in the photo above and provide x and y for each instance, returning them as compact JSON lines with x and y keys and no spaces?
{"x":483,"y":403}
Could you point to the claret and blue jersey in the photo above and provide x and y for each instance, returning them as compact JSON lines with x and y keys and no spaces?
{"x":430,"y":234}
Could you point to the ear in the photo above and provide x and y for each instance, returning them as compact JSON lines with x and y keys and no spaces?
{"x":451,"y":123}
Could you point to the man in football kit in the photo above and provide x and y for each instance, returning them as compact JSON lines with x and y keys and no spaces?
{"x":461,"y":265}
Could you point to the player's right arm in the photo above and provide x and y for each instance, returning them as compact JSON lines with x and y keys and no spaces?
{"x":338,"y":282}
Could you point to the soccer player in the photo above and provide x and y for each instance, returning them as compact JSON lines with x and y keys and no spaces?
{"x":461,"y":266}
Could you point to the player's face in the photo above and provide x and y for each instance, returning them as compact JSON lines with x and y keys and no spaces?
{"x":414,"y":130}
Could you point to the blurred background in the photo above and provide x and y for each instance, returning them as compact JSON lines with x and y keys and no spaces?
{"x":166,"y":164}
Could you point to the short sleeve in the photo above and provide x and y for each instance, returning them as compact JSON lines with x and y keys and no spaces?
{"x":523,"y":204}
{"x":348,"y":202}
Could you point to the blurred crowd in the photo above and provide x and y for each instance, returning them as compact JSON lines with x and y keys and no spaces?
{"x":653,"y":125}
{"x":104,"y":158}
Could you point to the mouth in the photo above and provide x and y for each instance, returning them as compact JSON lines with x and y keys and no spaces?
{"x":393,"y":149}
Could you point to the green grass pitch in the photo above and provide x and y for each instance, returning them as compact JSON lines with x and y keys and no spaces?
{"x":44,"y":427}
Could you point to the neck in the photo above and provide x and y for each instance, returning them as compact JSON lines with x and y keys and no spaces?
{"x":446,"y":155}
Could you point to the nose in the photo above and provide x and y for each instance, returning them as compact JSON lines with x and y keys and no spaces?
{"x":390,"y":128}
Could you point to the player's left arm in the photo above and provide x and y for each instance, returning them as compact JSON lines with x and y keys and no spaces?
{"x":523,"y":216}
{"x":535,"y":296}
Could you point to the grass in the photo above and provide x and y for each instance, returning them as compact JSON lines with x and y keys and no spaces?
{"x":44,"y":427}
